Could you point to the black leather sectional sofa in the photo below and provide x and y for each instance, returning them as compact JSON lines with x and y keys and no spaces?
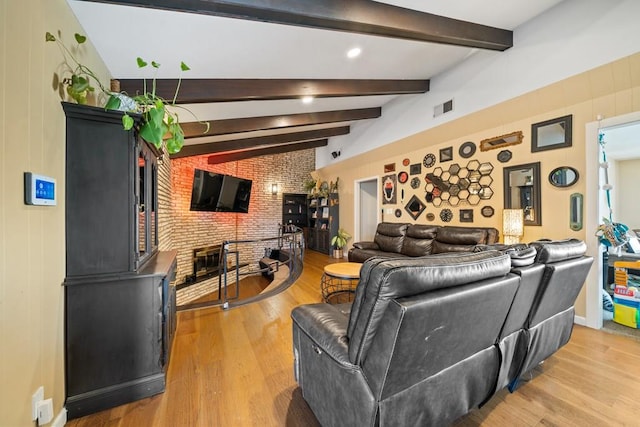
{"x":429,"y":338}
{"x":403,"y":240}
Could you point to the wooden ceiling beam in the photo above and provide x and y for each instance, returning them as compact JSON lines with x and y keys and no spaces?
{"x":250,"y":124}
{"x":193,"y":91}
{"x":278,"y":149}
{"x":362,"y":17}
{"x":247,"y":143}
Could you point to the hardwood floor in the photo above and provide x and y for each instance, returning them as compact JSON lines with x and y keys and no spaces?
{"x":234,"y":368}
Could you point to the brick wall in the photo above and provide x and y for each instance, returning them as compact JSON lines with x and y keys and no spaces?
{"x":190,"y":229}
{"x":165,"y":217}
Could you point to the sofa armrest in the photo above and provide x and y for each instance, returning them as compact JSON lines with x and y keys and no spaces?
{"x":366,"y":245}
{"x":326,"y":325}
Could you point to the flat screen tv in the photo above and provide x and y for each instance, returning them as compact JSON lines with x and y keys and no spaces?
{"x":215,"y":192}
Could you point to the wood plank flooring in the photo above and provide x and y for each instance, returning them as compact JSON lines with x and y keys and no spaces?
{"x":234,"y":368}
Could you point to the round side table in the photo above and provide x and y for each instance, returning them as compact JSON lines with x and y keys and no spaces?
{"x":339,"y":281}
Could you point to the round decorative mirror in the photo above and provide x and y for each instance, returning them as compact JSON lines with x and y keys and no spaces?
{"x":564,"y":176}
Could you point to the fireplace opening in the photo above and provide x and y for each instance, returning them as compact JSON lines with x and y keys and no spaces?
{"x":206,"y":261}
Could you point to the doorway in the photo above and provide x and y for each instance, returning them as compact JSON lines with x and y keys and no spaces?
{"x":596,"y":206}
{"x":367,"y":214}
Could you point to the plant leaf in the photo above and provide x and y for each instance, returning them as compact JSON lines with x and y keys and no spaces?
{"x":113,"y":103}
{"x":141,"y":62}
{"x":154,"y":64}
{"x":80,"y":38}
{"x":127,"y":122}
{"x":184,"y":67}
{"x":49,"y":37}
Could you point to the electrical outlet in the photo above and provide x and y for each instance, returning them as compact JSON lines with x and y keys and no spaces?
{"x":45,"y":412}
{"x":37,"y":397}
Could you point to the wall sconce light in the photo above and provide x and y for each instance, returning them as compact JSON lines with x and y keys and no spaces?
{"x":512,"y":225}
{"x":274,"y":189}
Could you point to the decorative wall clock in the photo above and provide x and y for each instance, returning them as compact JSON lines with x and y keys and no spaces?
{"x":429,"y":160}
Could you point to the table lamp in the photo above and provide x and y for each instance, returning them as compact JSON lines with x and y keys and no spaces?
{"x":512,"y":225}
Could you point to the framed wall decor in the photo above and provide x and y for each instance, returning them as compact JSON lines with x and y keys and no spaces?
{"x":446,"y":154}
{"x":564,"y":176}
{"x":403,"y":177}
{"x":487,"y":211}
{"x":415,"y":207}
{"x":501,"y":141}
{"x":429,"y":160}
{"x":504,"y":156}
{"x":415,"y":169}
{"x":466,"y":215}
{"x":389,"y":196}
{"x":467,"y":149}
{"x":552,"y":134}
{"x":389,"y":167}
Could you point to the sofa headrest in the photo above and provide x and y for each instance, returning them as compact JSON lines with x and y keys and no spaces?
{"x":462,"y":235}
{"x":390,"y":236}
{"x":521,"y":254}
{"x":392,"y":229}
{"x":558,"y":250}
{"x":382,"y":280}
{"x":420,"y":231}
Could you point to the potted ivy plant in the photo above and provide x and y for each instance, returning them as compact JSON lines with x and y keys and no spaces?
{"x":157,"y":121}
{"x":339,"y":241}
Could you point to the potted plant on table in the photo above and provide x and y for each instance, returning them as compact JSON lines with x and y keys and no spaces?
{"x":158,"y":126}
{"x":339,"y":241}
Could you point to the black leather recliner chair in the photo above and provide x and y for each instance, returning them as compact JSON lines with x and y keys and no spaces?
{"x":427,"y":339}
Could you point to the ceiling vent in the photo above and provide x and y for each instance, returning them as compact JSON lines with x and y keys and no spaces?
{"x":445,"y":107}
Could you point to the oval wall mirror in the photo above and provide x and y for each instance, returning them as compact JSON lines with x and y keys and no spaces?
{"x":564,"y":176}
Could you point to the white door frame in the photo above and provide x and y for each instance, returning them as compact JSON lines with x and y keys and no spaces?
{"x":356,"y":204}
{"x":592,"y":214}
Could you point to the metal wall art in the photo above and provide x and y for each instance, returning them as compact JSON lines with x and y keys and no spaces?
{"x":470,"y":183}
{"x":564,"y":176}
{"x":446,"y":215}
{"x":487,"y":211}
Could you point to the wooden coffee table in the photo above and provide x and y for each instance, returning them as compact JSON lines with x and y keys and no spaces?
{"x":339,"y":281}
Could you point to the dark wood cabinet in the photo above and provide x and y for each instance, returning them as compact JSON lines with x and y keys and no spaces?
{"x":294,"y":210}
{"x":323,"y":214}
{"x":119,"y":304}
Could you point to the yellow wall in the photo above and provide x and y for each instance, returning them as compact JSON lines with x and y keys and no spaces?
{"x":32,"y":259}
{"x":609,"y":90}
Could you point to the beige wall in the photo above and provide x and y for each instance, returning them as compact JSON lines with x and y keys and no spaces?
{"x":32,"y":260}
{"x":609,"y":90}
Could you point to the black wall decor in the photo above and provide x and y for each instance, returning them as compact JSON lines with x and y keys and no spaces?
{"x":446,"y":154}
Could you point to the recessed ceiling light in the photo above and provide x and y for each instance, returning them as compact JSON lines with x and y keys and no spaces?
{"x":355,"y":52}
{"x":307,"y":99}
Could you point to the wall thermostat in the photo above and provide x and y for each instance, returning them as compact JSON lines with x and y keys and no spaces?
{"x":39,"y":190}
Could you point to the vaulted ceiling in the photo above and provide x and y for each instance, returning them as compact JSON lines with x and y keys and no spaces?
{"x":253,"y":61}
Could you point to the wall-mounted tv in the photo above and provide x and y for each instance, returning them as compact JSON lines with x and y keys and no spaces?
{"x":215,"y":192}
